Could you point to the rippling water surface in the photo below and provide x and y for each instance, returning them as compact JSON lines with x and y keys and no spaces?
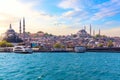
{"x":60,"y":66}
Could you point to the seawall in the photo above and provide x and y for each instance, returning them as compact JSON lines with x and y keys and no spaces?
{"x":112,"y":49}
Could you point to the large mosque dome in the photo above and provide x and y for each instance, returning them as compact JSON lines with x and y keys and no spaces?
{"x":82,"y":34}
{"x":11,"y":36}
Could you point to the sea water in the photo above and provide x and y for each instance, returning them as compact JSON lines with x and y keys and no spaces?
{"x":60,"y":66}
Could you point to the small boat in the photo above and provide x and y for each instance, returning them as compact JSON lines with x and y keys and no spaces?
{"x":22,"y":49}
{"x":80,"y":49}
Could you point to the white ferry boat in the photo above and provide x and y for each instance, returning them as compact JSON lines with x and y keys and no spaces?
{"x":22,"y":49}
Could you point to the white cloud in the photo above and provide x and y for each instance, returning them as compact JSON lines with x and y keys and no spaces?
{"x":107,"y":9}
{"x":11,"y":11}
{"x":70,"y":14}
{"x":70,"y":4}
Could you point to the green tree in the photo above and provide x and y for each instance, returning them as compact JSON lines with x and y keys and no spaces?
{"x":62,"y":46}
{"x":104,"y":36}
{"x":5,"y":44}
{"x":110,"y":43}
{"x":100,"y":45}
{"x":57,"y":45}
{"x":97,"y":35}
{"x":39,"y":32}
{"x":9,"y":45}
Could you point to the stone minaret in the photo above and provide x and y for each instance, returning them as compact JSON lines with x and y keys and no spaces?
{"x":93,"y":32}
{"x":90,"y":29}
{"x":10,"y":26}
{"x":99,"y":32}
{"x":23,"y":25}
{"x":85,"y":28}
{"x":20,"y":27}
{"x":24,"y":28}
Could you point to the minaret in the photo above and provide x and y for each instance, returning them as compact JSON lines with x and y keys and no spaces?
{"x":85,"y":28}
{"x":93,"y":32}
{"x":20,"y":26}
{"x":90,"y":29}
{"x":99,"y":32}
{"x":24,"y":28}
{"x":10,"y":26}
{"x":23,"y":25}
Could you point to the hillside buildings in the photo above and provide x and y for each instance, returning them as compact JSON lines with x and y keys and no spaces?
{"x":48,"y":42}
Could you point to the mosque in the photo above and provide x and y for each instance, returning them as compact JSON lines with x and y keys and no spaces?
{"x":12,"y":36}
{"x":83,"y":33}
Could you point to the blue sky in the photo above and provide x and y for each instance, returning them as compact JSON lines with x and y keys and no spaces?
{"x":62,"y":17}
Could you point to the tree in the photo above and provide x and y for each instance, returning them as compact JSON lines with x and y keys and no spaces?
{"x":5,"y":44}
{"x":74,"y":35}
{"x":97,"y":35}
{"x":62,"y":46}
{"x":28,"y":32}
{"x":104,"y":36}
{"x":9,"y":45}
{"x":57,"y":45}
{"x":110,"y":43}
{"x":39,"y":32}
{"x":100,"y":45}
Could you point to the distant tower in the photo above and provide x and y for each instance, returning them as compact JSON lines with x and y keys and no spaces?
{"x":99,"y":31}
{"x":93,"y":32}
{"x":20,"y":26}
{"x":10,"y":26}
{"x":23,"y":25}
{"x":24,"y":28}
{"x":90,"y":29}
{"x":85,"y":28}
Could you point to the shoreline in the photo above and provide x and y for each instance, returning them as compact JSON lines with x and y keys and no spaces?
{"x":113,"y":49}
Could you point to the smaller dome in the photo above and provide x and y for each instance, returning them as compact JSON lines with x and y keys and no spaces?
{"x":10,"y":31}
{"x":82,"y":32}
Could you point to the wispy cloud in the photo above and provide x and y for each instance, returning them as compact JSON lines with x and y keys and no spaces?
{"x":70,"y":4}
{"x":73,"y":14}
{"x":11,"y":11}
{"x":106,"y":9}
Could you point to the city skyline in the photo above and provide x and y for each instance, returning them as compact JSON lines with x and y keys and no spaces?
{"x":61,"y":17}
